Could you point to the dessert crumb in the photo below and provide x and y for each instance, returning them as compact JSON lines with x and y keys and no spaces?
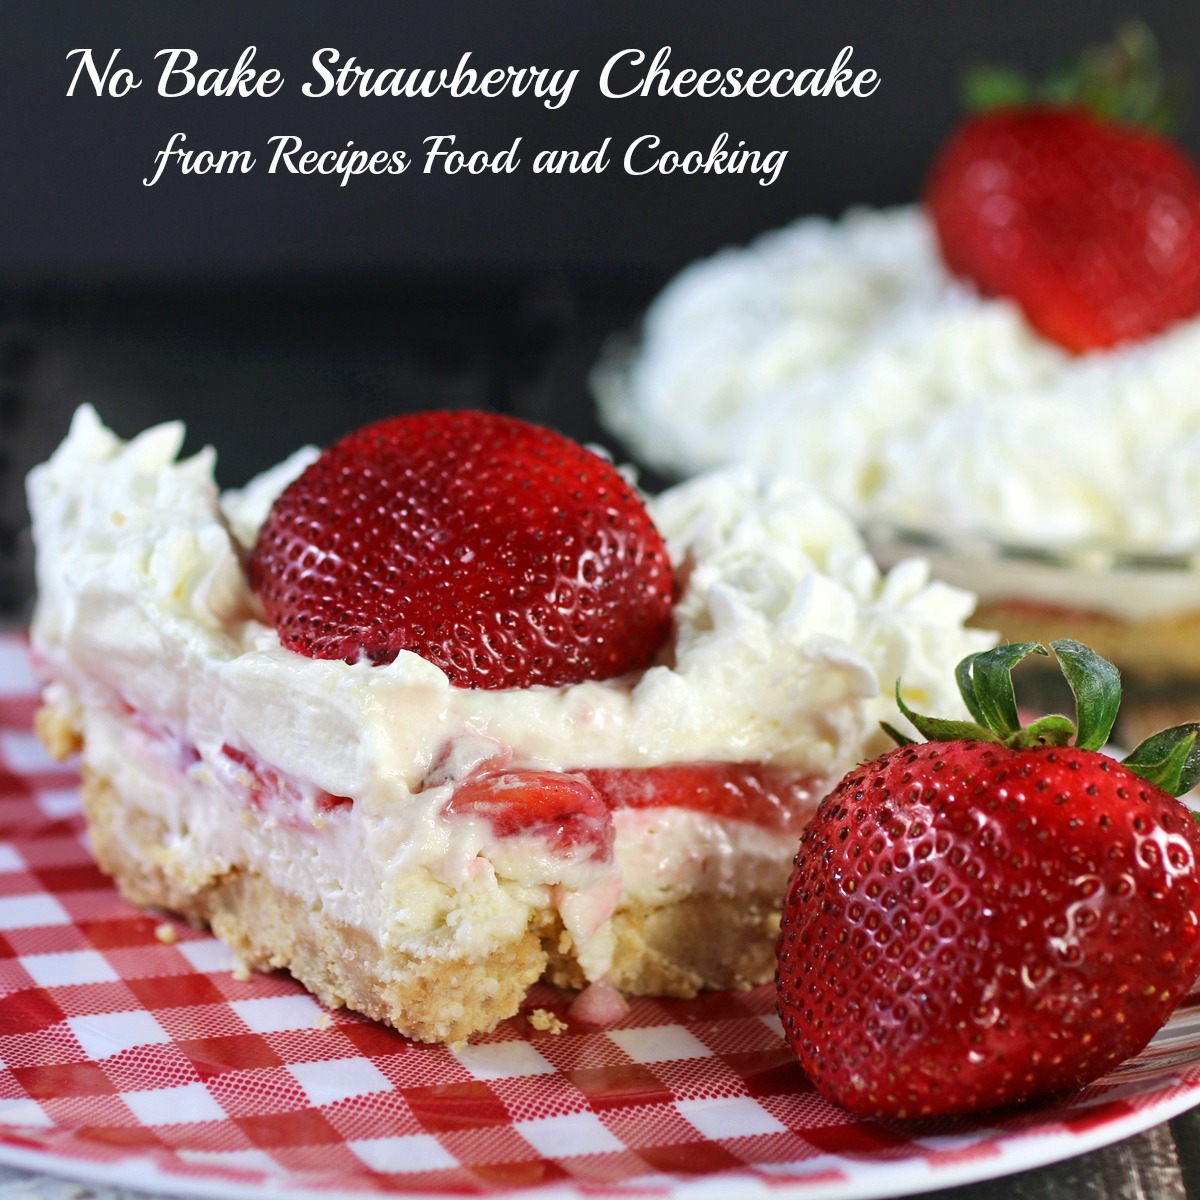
{"x":57,"y":734}
{"x":241,"y":973}
{"x":546,"y":1021}
{"x":166,"y":934}
{"x":324,"y":1021}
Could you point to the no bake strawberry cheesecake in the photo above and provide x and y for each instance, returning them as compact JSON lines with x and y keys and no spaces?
{"x":447,"y":708}
{"x":1005,"y":377}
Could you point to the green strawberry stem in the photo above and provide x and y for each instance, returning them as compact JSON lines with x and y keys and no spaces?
{"x":1120,"y":81}
{"x":1170,"y":759}
{"x":1096,"y":685}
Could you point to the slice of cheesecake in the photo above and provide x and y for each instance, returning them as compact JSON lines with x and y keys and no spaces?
{"x":420,"y":851}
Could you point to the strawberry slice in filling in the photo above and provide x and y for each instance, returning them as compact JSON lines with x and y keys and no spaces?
{"x":771,"y":797}
{"x":564,"y":810}
{"x":574,"y":810}
{"x":264,"y":786}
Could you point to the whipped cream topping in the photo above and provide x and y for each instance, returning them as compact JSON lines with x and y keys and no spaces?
{"x":844,"y":352}
{"x":787,"y":646}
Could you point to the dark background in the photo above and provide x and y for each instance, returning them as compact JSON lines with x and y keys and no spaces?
{"x":269,"y":310}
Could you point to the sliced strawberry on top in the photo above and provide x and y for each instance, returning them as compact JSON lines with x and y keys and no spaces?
{"x":504,"y":553}
{"x":1066,"y":198}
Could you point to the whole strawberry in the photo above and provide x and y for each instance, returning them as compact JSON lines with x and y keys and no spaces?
{"x":502,"y":552}
{"x":1091,"y":225}
{"x":995,"y":915}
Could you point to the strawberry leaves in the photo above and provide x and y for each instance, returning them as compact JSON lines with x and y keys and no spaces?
{"x":1170,"y":759}
{"x":986,"y":685}
{"x":1096,"y":685}
{"x":1123,"y":80}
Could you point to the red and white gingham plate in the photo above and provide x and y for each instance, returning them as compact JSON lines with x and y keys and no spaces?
{"x":127,"y":1059}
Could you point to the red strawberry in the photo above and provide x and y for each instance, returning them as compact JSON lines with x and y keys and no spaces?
{"x":976,"y":923}
{"x":566,"y":806}
{"x":563,"y":809}
{"x":768,"y":796}
{"x":1063,"y":199}
{"x":504,"y":553}
{"x":1091,"y":227}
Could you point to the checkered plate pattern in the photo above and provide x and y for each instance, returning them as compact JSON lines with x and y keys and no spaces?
{"x":128,"y":1058}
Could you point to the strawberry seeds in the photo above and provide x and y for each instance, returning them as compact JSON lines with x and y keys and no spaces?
{"x":503,"y":553}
